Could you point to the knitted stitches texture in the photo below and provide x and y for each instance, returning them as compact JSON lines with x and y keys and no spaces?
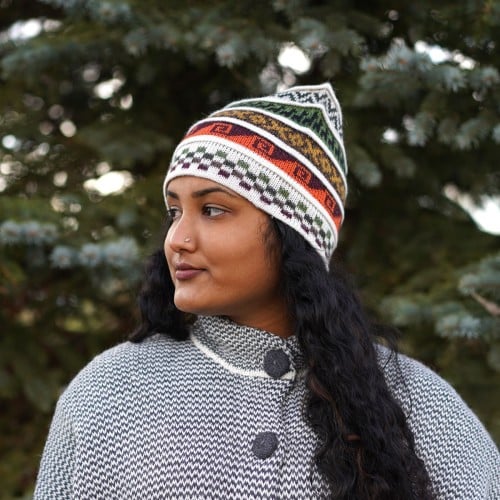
{"x":203,"y":418}
{"x":284,"y":153}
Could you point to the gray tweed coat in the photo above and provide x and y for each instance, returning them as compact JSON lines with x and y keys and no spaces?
{"x":220,"y":416}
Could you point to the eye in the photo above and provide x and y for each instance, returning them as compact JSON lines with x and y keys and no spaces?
{"x":173,"y":213}
{"x":211,"y":211}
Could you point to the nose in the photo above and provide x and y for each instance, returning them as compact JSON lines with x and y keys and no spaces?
{"x":180,"y":235}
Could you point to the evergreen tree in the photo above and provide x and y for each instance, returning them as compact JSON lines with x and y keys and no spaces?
{"x":94,"y":89}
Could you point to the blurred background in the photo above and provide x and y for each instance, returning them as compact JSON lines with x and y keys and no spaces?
{"x":94,"y":96}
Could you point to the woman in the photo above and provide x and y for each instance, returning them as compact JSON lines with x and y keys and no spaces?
{"x":255,"y":372}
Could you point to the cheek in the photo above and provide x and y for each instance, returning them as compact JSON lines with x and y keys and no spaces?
{"x":265,"y":273}
{"x":248,"y":262}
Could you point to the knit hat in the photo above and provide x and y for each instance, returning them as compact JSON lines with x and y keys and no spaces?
{"x":283,"y":153}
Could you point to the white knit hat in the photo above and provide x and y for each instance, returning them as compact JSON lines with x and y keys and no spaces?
{"x":284,"y":153}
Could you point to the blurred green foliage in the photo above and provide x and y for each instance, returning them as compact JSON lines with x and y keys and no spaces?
{"x":88,"y":88}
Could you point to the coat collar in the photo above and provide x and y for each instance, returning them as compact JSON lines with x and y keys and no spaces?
{"x":247,"y":351}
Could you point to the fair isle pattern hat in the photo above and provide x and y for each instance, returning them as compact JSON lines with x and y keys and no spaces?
{"x":284,"y":153}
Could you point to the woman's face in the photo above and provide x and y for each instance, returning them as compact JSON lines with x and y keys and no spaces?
{"x":217,"y":255}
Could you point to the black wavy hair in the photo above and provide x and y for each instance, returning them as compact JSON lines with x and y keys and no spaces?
{"x":366,"y":447}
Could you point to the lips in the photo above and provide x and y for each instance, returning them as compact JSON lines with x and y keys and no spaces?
{"x":184,"y":271}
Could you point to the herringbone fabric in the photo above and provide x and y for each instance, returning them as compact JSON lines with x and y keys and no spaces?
{"x":221,"y":416}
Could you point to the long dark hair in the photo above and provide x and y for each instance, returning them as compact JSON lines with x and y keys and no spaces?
{"x":367,"y":449}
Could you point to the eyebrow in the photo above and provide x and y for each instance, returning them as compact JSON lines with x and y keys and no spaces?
{"x":201,"y":193}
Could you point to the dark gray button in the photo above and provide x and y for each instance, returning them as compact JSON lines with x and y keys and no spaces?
{"x":276,"y":363}
{"x":265,"y":444}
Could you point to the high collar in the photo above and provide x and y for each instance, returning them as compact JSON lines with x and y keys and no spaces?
{"x":243,"y":349}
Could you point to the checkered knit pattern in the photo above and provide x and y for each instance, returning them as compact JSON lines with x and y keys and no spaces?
{"x":221,"y":416}
{"x":284,"y":153}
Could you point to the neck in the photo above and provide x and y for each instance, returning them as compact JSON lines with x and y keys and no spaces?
{"x":275,"y":321}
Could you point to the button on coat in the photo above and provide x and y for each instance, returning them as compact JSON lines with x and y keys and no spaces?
{"x":276,"y":363}
{"x":265,"y":444}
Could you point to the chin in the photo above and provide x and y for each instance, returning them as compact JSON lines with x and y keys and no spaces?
{"x":191,"y":307}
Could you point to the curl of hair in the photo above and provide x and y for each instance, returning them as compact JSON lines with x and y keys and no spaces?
{"x":156,"y":303}
{"x":366,"y":448}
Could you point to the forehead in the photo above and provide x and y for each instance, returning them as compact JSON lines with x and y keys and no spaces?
{"x":190,"y":184}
